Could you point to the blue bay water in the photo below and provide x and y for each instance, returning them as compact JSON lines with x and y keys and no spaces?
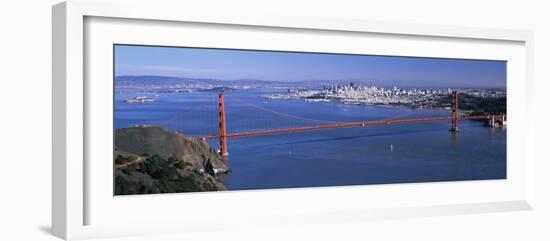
{"x":403,"y":153}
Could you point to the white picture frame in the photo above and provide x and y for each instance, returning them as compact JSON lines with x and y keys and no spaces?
{"x":72,"y":192}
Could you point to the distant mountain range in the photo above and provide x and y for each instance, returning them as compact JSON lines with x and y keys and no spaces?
{"x":170,"y":80}
{"x":171,"y":83}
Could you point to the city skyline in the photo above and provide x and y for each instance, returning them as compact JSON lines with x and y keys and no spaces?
{"x":225,"y":64}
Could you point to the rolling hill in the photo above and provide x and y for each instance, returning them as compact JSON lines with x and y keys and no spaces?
{"x":151,"y":159}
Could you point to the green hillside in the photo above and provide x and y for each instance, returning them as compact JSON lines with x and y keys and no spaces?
{"x":156,"y":160}
{"x":152,"y":140}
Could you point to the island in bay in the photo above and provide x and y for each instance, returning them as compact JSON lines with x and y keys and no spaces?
{"x":200,"y":119}
{"x":153,"y":159}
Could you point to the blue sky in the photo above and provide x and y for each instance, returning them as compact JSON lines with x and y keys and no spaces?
{"x":287,"y":66}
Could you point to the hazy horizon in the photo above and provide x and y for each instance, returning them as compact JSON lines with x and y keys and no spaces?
{"x":230,"y":65}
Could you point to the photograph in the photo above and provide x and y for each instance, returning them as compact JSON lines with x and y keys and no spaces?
{"x":275,"y":120}
{"x":193,"y":119}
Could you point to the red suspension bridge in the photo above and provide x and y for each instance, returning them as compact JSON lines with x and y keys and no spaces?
{"x":223,"y":135}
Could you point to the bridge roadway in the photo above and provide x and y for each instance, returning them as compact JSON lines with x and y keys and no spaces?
{"x":345,"y":125}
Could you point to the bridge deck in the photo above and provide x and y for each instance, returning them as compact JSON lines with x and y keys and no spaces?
{"x":344,"y":125}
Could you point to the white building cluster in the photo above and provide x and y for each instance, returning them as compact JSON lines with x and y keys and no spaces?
{"x":355,"y":94}
{"x":352,"y":91}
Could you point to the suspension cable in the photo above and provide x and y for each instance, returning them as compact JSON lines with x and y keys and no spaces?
{"x":183,"y":113}
{"x":280,"y":113}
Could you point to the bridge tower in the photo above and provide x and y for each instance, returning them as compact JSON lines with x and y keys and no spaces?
{"x":454,"y":113}
{"x":223,"y":128}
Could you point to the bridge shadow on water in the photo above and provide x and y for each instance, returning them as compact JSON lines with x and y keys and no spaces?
{"x":344,"y":138}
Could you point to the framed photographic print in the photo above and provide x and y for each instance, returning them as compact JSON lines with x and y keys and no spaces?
{"x":280,"y":118}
